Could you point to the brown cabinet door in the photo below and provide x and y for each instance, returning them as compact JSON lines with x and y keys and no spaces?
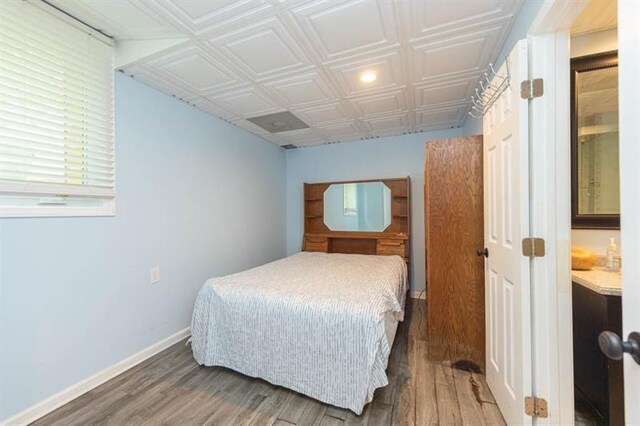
{"x":454,"y":234}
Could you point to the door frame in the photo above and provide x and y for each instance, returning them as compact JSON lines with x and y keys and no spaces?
{"x":629,"y":98}
{"x":550,"y":136}
{"x":550,"y":154}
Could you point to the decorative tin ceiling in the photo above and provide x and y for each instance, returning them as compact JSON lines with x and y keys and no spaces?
{"x":350,"y":70}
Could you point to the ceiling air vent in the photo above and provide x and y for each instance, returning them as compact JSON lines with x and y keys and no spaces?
{"x":279,"y":122}
{"x":289,"y":146}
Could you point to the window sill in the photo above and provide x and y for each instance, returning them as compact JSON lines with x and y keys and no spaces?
{"x":56,"y":211}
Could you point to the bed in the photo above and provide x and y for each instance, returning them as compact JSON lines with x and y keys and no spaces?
{"x":321,"y":324}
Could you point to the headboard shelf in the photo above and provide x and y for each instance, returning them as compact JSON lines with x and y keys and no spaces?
{"x":360,"y":235}
{"x":394,"y":240}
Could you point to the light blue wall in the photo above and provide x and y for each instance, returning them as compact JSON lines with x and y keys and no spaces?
{"x":396,"y":156}
{"x":196,"y":196}
{"x":528,"y":12}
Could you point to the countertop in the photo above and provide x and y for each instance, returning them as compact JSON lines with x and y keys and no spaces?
{"x":599,"y":280}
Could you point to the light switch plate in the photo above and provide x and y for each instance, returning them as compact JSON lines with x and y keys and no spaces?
{"x":154,"y":275}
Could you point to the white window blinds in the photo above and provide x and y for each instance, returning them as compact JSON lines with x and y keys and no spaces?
{"x":56,"y":112}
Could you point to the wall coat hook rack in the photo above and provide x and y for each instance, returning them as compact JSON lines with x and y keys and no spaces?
{"x":489,"y":89}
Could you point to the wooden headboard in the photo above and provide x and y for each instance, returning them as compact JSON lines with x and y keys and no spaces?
{"x":394,"y":240}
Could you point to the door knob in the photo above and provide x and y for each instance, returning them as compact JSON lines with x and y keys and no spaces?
{"x":483,"y":252}
{"x":614,"y":348}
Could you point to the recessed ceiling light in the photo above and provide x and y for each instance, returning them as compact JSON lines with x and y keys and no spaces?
{"x":368,"y":77}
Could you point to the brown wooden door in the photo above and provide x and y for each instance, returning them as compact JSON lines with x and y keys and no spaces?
{"x":454,"y":232}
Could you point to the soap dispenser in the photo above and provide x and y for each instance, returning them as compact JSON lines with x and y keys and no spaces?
{"x":613,"y":256}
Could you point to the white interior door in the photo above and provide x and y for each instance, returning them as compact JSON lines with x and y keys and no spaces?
{"x":507,"y":277}
{"x":629,"y":123}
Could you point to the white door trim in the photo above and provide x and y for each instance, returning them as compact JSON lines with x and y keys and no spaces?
{"x":551,"y":220}
{"x":551,"y":212}
{"x":629,"y":99}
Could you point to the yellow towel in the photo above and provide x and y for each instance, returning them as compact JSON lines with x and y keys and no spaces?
{"x":582,"y":259}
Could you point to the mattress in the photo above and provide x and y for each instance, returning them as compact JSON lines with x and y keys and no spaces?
{"x":390,"y":327}
{"x":320,"y":324}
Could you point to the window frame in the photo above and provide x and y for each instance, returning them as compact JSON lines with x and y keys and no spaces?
{"x":107,"y":205}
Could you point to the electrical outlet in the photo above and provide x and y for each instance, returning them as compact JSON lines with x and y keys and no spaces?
{"x":154,"y":275}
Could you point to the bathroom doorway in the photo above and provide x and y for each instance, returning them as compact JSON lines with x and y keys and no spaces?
{"x":596,"y":281}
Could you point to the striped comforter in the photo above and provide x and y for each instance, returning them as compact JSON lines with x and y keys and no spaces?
{"x":311,"y":322}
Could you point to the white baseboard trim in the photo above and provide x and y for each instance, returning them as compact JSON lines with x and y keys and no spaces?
{"x":45,"y":407}
{"x":418,"y":294}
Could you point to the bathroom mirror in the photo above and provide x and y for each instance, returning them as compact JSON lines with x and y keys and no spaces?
{"x":595,"y":183}
{"x":357,"y":207}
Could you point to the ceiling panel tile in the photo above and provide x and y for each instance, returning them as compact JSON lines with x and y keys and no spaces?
{"x":262,"y":50}
{"x":150,"y":77}
{"x":213,"y":108}
{"x":200,"y":16}
{"x":451,"y":58}
{"x":301,"y":90}
{"x":429,"y":95}
{"x":451,"y":116}
{"x":437,"y":18}
{"x":246,"y":102}
{"x":387,"y":67}
{"x":342,"y":132}
{"x":323,"y":114}
{"x":384,"y":103}
{"x":388,"y":125}
{"x":193,"y":68}
{"x":299,"y":137}
{"x":337,"y":28}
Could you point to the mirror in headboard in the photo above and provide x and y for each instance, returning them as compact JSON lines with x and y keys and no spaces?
{"x":363,"y":217}
{"x":357,"y":206}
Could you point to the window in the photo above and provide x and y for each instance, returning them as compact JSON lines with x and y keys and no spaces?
{"x":56,"y":114}
{"x":350,"y":202}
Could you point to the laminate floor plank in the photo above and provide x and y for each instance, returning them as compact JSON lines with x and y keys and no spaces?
{"x":331,"y":421}
{"x":352,"y":419}
{"x":492,"y":414}
{"x":340,"y":413}
{"x":426,"y":402}
{"x":170,"y":388}
{"x":446,"y":397}
{"x":294,"y":408}
{"x":313,"y":413}
{"x":468,"y":400}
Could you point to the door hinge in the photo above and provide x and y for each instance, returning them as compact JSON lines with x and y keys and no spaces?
{"x":533,"y":247}
{"x":535,"y":407}
{"x":530,"y":89}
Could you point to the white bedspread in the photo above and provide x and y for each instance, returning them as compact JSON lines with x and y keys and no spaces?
{"x":312,"y":322}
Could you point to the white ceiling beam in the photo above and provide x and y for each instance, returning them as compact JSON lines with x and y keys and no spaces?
{"x":130,"y":51}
